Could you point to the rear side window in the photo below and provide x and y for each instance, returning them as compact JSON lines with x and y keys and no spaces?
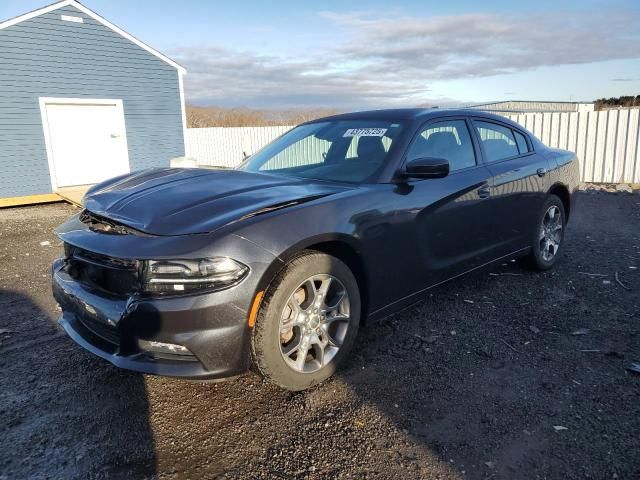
{"x":498,"y":141}
{"x":449,"y":140}
{"x":522,"y":142}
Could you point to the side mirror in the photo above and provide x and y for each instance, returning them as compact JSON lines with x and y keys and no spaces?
{"x":427,"y":167}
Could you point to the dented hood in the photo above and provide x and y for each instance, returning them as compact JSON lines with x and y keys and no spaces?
{"x":184,"y":201}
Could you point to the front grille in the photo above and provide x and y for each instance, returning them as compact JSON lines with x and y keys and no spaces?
{"x":112,"y":275}
{"x":102,"y":330}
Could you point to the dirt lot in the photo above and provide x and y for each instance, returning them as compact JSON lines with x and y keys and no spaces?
{"x":474,"y":382}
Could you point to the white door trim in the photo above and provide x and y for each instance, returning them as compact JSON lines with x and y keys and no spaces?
{"x":183,"y":112}
{"x":44,"y":101}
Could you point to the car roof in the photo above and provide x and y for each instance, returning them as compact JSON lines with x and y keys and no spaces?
{"x":409,"y":114}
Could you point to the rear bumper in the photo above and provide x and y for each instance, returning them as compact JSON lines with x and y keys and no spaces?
{"x":211,"y":326}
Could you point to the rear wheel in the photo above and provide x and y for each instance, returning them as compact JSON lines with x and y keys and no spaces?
{"x":308,"y":321}
{"x":548,"y":236}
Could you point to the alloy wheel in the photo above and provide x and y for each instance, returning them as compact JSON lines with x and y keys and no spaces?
{"x":314,"y":323}
{"x":550,"y":233}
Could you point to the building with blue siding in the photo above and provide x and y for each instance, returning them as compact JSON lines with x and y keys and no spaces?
{"x":82,"y":101}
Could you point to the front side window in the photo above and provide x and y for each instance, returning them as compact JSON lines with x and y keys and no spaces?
{"x":344,"y":150}
{"x":498,"y":141}
{"x":449,"y":140}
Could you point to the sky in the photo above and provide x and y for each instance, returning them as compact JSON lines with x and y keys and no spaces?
{"x":366,"y":54}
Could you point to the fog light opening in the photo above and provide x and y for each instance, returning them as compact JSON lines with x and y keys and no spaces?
{"x":161,"y":347}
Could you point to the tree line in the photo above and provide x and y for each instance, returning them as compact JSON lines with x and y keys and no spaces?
{"x":616,"y":102}
{"x":200,"y":117}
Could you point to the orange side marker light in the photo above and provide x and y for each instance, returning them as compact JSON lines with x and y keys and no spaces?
{"x":255,"y":306}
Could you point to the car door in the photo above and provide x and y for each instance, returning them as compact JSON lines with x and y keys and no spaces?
{"x":452,"y":228}
{"x":518,"y":181}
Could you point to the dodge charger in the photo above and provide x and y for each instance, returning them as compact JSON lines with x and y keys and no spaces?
{"x":273,"y":265}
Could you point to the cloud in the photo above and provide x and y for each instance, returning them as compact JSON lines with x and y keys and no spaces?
{"x":480,"y":45}
{"x":225,"y":77}
{"x":393,"y":60}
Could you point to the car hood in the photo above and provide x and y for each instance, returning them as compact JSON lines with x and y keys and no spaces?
{"x":176,"y":201}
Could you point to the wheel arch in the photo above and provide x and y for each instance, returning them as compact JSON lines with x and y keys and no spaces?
{"x":561,"y":191}
{"x":341,"y":246}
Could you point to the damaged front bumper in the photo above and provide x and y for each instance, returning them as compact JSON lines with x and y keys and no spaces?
{"x":145,"y":335}
{"x":201,"y":335}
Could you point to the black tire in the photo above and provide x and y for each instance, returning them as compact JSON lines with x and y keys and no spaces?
{"x":266,"y":340}
{"x":536,"y":259}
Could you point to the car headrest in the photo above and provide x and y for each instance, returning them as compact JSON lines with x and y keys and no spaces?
{"x":497,"y":148}
{"x":371,"y":148}
{"x":440,"y":143}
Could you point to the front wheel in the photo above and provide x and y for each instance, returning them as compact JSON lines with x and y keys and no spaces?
{"x":548,"y":236}
{"x":307,"y":322}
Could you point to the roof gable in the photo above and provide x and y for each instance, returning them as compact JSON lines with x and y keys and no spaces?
{"x":96,"y":17}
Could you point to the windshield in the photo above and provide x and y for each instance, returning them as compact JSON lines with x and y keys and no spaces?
{"x":344,"y":151}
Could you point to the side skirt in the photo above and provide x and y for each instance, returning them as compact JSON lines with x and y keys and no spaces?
{"x":409,"y":300}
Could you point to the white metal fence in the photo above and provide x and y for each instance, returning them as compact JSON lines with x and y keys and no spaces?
{"x":607,"y":142}
{"x":226,"y":147}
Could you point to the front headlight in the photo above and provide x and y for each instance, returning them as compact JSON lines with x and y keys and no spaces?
{"x":173,"y":276}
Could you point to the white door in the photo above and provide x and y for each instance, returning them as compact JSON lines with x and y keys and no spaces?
{"x":87,"y":142}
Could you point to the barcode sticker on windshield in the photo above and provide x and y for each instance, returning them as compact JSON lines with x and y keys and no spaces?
{"x":365,"y":132}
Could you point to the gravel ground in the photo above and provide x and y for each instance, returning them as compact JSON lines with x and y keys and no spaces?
{"x":482,"y":380}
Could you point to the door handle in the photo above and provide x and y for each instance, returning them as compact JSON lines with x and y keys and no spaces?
{"x":541,"y":172}
{"x":484,"y":192}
